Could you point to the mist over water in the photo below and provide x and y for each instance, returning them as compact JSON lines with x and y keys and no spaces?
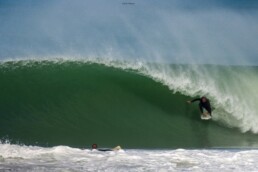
{"x":173,"y":32}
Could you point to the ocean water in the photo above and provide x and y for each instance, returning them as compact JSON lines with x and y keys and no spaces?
{"x":78,"y":103}
{"x":74,"y":73}
{"x":53,"y":110}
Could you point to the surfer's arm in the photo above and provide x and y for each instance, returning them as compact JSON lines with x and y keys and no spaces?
{"x":104,"y":149}
{"x":194,"y":100}
{"x":117,"y":148}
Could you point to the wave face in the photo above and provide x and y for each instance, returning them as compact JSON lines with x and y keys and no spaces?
{"x":135,"y":105}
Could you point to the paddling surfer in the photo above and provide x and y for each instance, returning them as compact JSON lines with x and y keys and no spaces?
{"x":204,"y":104}
{"x":95,"y":147}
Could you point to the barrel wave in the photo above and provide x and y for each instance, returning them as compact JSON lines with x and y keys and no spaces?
{"x":78,"y":103}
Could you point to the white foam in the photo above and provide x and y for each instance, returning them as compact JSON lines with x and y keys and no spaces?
{"x":64,"y":158}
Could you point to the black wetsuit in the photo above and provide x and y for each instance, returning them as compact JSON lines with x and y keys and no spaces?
{"x":103,"y":149}
{"x":202,"y":105}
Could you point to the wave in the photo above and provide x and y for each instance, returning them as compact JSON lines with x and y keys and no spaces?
{"x":134,"y":104}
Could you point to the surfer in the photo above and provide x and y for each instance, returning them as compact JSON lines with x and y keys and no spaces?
{"x":204,"y":104}
{"x":95,"y":147}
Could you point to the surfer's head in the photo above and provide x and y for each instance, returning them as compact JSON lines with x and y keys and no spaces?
{"x":204,"y":99}
{"x":94,"y":146}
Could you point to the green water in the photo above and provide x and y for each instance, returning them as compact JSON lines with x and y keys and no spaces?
{"x":77,"y":104}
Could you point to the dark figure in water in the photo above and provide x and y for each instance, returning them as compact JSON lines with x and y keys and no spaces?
{"x":95,"y":147}
{"x":204,"y":103}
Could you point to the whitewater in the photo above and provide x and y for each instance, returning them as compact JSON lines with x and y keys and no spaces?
{"x":64,"y":158}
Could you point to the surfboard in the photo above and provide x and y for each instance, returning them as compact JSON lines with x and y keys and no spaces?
{"x":205,"y":117}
